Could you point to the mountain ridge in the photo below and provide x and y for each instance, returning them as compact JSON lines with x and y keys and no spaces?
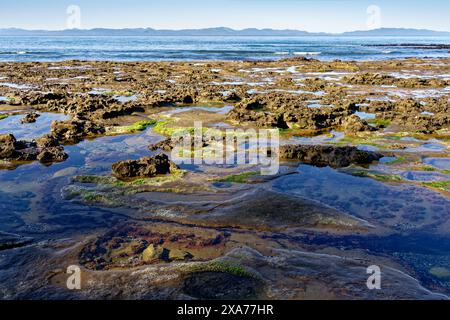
{"x":217,"y":31}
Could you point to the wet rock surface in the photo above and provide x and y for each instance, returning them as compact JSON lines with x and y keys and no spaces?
{"x":144,"y":167}
{"x":45,"y":150}
{"x":333,"y":156}
{"x":75,"y":130}
{"x":148,"y":230}
{"x":9,"y":241}
{"x":221,"y":286}
{"x":145,"y":245}
{"x":30,"y":118}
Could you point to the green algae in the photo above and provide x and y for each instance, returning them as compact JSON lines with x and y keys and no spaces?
{"x":96,"y":197}
{"x":90,"y":196}
{"x":428,"y":169}
{"x":355,"y":140}
{"x":440,"y":185}
{"x":222,"y":266}
{"x":382,"y":177}
{"x":119,"y":93}
{"x":163,"y":128}
{"x":134,"y":128}
{"x":3,"y":116}
{"x":383,"y":123}
{"x":112,"y":181}
{"x":396,"y":161}
{"x":95,"y":179}
{"x":440,"y":272}
{"x":240,"y":177}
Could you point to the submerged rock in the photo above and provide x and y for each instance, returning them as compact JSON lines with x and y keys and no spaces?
{"x":144,"y":167}
{"x":221,"y":285}
{"x":333,"y":156}
{"x":9,"y":241}
{"x":151,"y":243}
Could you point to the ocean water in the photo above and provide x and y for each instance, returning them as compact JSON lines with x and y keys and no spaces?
{"x":58,"y":48}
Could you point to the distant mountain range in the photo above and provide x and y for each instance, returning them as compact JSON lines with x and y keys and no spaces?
{"x":221,"y":31}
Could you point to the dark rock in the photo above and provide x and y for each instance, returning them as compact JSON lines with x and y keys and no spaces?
{"x":120,"y":110}
{"x":47,"y":141}
{"x":9,"y":241}
{"x":7,"y":146}
{"x":165,"y":145}
{"x":170,"y":143}
{"x":52,"y":154}
{"x":30,"y":118}
{"x":46,"y":149}
{"x":323,"y":156}
{"x":144,"y":167}
{"x":188,"y":99}
{"x":75,"y":130}
{"x":354,"y":124}
{"x":221,"y":285}
{"x":232,"y":97}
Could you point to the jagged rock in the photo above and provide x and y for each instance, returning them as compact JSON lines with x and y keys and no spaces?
{"x":179,"y":255}
{"x":354,"y":124}
{"x":165,"y":145}
{"x":47,"y":141}
{"x":30,"y":117}
{"x":11,"y":149}
{"x":75,"y":130}
{"x":383,"y":79}
{"x":333,"y":156}
{"x":120,"y":110}
{"x":52,"y":154}
{"x":232,"y":97}
{"x":7,"y":146}
{"x":46,"y":149}
{"x":144,"y":167}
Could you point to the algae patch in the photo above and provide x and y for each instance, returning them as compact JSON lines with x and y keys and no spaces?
{"x":239,"y":178}
{"x":134,"y":128}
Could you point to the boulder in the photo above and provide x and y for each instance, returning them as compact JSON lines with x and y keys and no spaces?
{"x":30,"y":117}
{"x":323,"y":156}
{"x":165,"y":145}
{"x":75,"y":130}
{"x":47,"y":141}
{"x":52,"y":154}
{"x":179,"y":255}
{"x":144,"y":167}
{"x":151,"y":253}
{"x":353,"y":124}
{"x":45,"y":149}
{"x":7,"y":146}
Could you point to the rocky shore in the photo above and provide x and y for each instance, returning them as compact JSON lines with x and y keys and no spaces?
{"x":364,"y":150}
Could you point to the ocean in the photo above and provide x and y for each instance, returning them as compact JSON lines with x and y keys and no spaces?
{"x":60,"y":48}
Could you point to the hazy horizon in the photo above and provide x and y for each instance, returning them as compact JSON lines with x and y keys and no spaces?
{"x":332,"y":16}
{"x":218,"y":27}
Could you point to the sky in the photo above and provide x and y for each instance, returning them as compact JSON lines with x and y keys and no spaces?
{"x":309,"y":15}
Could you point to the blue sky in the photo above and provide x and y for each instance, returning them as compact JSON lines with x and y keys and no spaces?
{"x":310,"y":15}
